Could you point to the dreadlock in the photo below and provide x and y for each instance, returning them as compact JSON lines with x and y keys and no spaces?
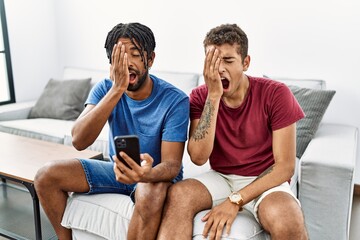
{"x":140,"y":35}
{"x":230,"y":34}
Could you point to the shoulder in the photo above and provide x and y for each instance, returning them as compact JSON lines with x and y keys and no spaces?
{"x":200,"y":91}
{"x":167,"y":89}
{"x":265,"y":83}
{"x":104,"y":84}
{"x":267,"y":86}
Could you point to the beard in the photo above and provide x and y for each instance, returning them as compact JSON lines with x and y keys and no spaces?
{"x":139,"y":83}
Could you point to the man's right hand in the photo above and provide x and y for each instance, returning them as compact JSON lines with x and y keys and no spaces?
{"x":119,"y":71}
{"x":211,"y":72}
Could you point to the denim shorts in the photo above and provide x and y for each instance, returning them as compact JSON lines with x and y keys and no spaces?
{"x":101,"y":178}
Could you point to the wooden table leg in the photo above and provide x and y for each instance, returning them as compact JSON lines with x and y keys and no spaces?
{"x":357,"y":190}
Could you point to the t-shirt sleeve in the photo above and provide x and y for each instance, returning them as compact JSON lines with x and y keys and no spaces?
{"x":98,"y":91}
{"x":196,"y":104}
{"x":284,"y":108}
{"x":177,"y":121}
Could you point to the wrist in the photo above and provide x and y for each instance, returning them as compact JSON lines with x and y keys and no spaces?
{"x":236,"y":198}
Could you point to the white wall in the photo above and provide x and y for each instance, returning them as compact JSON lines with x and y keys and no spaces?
{"x":299,"y":39}
{"x":33,"y":45}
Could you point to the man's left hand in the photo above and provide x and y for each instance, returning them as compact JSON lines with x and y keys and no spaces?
{"x":220,"y":216}
{"x":135,"y":173}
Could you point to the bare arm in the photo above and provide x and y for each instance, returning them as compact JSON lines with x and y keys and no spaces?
{"x":90,"y":122}
{"x":284,"y":150}
{"x":202,"y":131}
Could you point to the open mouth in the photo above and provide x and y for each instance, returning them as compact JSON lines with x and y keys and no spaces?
{"x":132,"y":77}
{"x":225,"y":83}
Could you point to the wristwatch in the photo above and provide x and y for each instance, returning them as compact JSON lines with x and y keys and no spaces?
{"x":237,"y":199}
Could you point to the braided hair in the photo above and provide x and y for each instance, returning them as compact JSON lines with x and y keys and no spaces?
{"x":230,"y":34}
{"x":140,"y":35}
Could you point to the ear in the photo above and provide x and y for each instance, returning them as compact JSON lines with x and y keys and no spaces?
{"x":151,"y":59}
{"x":246,"y":64}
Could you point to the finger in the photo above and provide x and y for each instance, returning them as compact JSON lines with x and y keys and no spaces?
{"x":145,"y":156}
{"x":125,"y":62}
{"x":207,"y":227}
{"x":217,"y":65}
{"x":111,"y":72}
{"x":228,"y":227}
{"x":128,"y":160}
{"x":115,"y":53}
{"x":118,"y":164}
{"x":219,"y":230}
{"x":121,"y":175}
{"x":118,"y":171}
{"x":122,"y":54}
{"x":215,"y":57}
{"x":206,"y":217}
{"x":207,"y":62}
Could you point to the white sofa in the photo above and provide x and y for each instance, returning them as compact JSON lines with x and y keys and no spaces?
{"x":323,"y":180}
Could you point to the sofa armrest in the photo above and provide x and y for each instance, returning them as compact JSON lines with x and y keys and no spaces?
{"x":326,"y":181}
{"x":16,"y":110}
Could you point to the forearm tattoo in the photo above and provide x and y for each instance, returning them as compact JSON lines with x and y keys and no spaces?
{"x":267,"y":171}
{"x":204,"y":122}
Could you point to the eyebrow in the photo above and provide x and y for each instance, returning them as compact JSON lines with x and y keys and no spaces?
{"x":134,"y":48}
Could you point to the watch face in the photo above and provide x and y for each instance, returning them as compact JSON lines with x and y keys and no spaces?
{"x":235,"y":197}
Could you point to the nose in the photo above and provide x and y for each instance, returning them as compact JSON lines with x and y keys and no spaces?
{"x":221,"y":66}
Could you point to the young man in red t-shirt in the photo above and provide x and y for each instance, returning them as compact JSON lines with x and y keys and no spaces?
{"x":246,"y":128}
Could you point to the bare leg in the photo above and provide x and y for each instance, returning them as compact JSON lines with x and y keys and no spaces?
{"x":282,"y":217}
{"x":52,"y":184}
{"x":184,"y":200}
{"x":150,"y":198}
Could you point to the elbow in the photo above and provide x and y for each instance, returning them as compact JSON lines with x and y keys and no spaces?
{"x":197,"y":160}
{"x":78,"y":144}
{"x":288,"y":171}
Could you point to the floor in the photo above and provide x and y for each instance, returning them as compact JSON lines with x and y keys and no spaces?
{"x":17,"y":213}
{"x":24,"y":225}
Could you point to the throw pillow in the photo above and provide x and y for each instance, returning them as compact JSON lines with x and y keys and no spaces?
{"x":62,"y":99}
{"x":314,"y":103}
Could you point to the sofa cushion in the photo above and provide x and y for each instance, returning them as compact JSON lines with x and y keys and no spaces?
{"x":51,"y":130}
{"x":305,"y":83}
{"x":96,"y":75}
{"x":105,"y":215}
{"x":101,"y":144}
{"x":108,"y":216}
{"x":184,"y":81}
{"x":314,"y":103}
{"x":62,"y":99}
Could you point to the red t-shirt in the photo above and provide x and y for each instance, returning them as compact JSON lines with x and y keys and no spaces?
{"x":243,"y":137}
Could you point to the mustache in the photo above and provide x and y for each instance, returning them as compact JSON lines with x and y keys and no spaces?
{"x":132,"y":70}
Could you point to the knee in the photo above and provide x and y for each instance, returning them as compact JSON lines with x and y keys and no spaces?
{"x":44,"y":177}
{"x":150,"y":197}
{"x":293,"y":227}
{"x":282,"y":223}
{"x":178,"y":195}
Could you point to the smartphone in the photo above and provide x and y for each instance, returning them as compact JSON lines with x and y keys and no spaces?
{"x":130,"y":145}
